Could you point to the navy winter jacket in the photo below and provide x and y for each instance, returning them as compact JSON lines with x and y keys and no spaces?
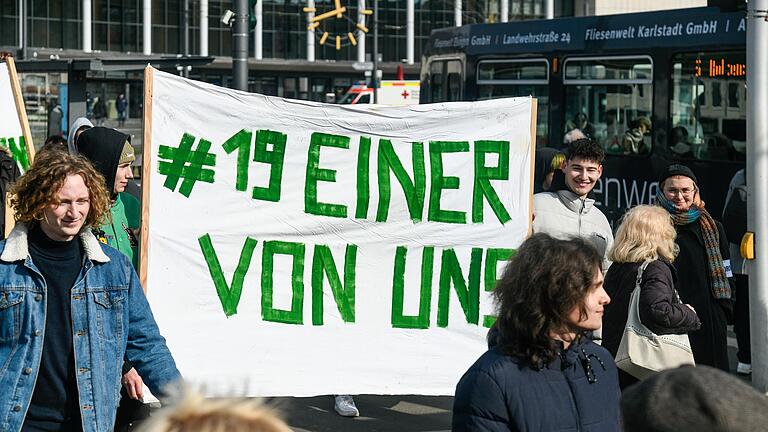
{"x":500,"y":393}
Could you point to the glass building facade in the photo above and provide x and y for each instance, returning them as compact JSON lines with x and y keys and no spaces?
{"x":117,"y":25}
{"x":56,"y":29}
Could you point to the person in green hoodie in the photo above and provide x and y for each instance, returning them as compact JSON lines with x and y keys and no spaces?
{"x":111,"y":153}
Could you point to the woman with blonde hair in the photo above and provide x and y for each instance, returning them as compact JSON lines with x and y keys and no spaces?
{"x":646,"y":233}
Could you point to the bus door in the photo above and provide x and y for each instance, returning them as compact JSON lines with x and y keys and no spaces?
{"x":514,"y":78}
{"x":446,"y":80}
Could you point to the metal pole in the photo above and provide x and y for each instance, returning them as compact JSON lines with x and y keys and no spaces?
{"x":185,"y":27}
{"x":375,"y":77}
{"x":127,"y":93}
{"x":147,"y":15}
{"x":504,"y":10}
{"x":409,"y":30}
{"x":757,"y":181}
{"x":310,"y":33}
{"x":240,"y":46}
{"x":457,"y":12}
{"x":549,"y":8}
{"x":203,"y":27}
{"x":258,"y":48}
{"x":87,"y":16}
{"x":23,"y":18}
{"x":20,"y":9}
{"x":361,"y":37}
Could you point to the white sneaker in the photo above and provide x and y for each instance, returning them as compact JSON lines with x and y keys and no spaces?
{"x":744,"y":368}
{"x":345,"y":406}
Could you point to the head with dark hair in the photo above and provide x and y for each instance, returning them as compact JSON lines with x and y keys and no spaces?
{"x":678,"y":134}
{"x":585,"y":148}
{"x":54,"y":142}
{"x":583,"y":166}
{"x":551,"y":290}
{"x":641,"y":122}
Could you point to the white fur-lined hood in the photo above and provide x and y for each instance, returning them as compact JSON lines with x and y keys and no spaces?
{"x":17,"y":246}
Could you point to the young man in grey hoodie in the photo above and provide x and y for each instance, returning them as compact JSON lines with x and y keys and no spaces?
{"x":569,"y":212}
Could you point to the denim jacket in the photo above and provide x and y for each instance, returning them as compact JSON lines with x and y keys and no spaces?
{"x":110,"y":318}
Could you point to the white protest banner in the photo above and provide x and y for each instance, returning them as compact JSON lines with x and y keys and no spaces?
{"x":295,"y":248}
{"x":14,"y":129}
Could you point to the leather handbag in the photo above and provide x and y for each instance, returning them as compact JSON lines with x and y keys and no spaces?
{"x":641,"y":352}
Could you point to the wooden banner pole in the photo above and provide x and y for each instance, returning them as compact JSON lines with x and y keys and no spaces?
{"x":534,"y":105}
{"x":146,"y":160}
{"x":19,"y":99}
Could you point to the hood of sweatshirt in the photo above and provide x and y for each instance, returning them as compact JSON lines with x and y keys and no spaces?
{"x":102,"y":146}
{"x":80,"y":122}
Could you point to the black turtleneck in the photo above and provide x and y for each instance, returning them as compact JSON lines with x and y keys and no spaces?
{"x":55,"y":405}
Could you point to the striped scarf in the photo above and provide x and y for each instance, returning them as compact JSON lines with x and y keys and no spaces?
{"x":721,"y":289}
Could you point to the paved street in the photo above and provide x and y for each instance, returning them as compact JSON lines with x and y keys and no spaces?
{"x":389,"y":413}
{"x":377,"y":413}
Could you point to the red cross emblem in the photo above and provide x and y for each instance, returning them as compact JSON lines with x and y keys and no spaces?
{"x":405,"y":94}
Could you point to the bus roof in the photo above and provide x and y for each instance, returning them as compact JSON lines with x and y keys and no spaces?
{"x":705,"y":27}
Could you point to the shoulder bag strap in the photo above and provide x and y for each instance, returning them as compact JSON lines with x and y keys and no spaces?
{"x":640,"y":271}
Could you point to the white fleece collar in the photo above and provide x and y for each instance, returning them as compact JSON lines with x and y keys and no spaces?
{"x":17,"y":246}
{"x":574,"y":202}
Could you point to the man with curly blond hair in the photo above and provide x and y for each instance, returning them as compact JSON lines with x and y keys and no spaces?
{"x":71,"y":308}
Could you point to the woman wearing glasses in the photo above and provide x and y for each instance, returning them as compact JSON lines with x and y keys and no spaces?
{"x":703,"y":264}
{"x":544,"y":372}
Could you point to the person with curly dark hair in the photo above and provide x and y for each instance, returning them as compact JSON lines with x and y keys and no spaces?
{"x":544,"y":373}
{"x":566,"y":209}
{"x":71,"y":308}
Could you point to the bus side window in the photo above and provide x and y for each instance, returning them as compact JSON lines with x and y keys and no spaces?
{"x":707,"y":110}
{"x":610,"y":100}
{"x":516,"y":77}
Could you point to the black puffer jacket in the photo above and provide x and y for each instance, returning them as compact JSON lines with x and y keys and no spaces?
{"x":660,"y":309}
{"x":577,"y":391}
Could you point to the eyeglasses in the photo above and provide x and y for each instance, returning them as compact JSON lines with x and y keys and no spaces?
{"x":686,"y":192}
